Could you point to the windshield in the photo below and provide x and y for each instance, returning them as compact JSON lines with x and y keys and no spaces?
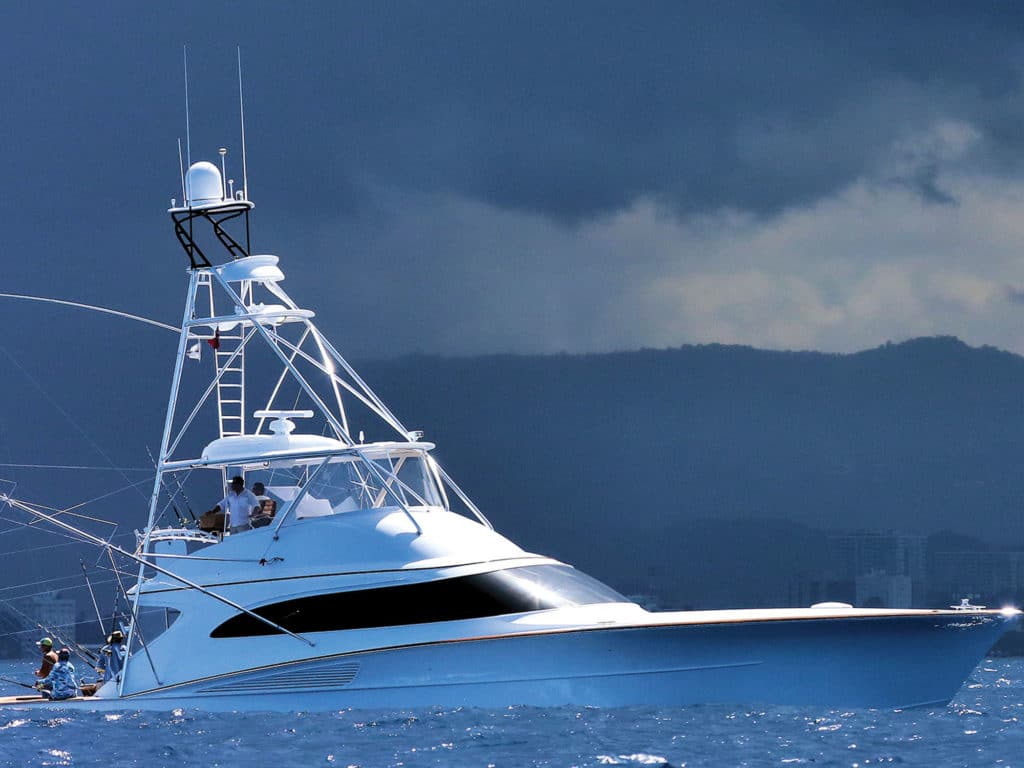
{"x":345,"y":485}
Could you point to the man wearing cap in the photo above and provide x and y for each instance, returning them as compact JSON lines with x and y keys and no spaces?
{"x":111,"y":657}
{"x":239,"y":504}
{"x":49,"y":657}
{"x":61,"y":682}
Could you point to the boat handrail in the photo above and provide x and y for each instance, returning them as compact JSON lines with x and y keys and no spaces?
{"x":261,"y":460}
{"x":272,"y":314}
{"x":177,"y":534}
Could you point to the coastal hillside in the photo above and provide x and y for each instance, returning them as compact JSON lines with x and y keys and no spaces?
{"x":705,"y":474}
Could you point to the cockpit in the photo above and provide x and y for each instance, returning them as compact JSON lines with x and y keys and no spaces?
{"x":290,"y":476}
{"x":388,"y":477}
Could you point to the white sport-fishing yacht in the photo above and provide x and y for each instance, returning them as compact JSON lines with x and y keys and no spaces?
{"x":369,"y":579}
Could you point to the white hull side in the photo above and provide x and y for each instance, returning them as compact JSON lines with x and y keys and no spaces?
{"x":891,"y":662}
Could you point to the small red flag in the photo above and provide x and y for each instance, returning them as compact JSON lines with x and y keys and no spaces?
{"x":215,"y":341}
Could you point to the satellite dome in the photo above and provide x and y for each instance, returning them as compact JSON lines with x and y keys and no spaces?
{"x":203,"y":184}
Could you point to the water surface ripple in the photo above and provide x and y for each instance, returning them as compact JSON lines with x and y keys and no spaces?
{"x":980,"y":728}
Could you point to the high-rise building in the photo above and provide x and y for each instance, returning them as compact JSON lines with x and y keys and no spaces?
{"x":54,"y":612}
{"x":12,"y":634}
{"x":984,"y":576}
{"x":871,"y":555}
{"x":880,"y":590}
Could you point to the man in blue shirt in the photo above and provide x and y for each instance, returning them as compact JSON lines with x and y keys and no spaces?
{"x":111,"y":657}
{"x":61,"y":683}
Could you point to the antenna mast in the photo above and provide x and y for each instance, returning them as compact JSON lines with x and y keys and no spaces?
{"x":181,"y":167}
{"x":241,"y":117}
{"x":188,"y":134}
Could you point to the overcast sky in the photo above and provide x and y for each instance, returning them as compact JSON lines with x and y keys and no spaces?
{"x":473,"y":177}
{"x":539,"y":177}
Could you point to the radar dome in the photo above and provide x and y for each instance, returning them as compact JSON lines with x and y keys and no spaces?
{"x":203,"y":184}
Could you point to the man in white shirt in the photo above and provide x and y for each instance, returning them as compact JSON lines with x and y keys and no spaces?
{"x":238,"y":503}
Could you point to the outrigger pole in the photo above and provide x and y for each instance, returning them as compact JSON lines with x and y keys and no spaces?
{"x":143,"y":563}
{"x":92,"y":307}
{"x":83,"y":653}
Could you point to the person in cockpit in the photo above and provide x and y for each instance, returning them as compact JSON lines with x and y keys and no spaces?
{"x":239,"y":503}
{"x":265,"y":509}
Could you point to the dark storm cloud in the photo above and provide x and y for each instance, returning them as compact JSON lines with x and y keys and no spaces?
{"x":573,"y":112}
{"x":570,"y":110}
{"x":577,"y":110}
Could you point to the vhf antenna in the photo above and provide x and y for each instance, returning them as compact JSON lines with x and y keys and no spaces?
{"x":245,"y":169}
{"x":241,"y":117}
{"x":181,"y":167}
{"x":188,"y":132}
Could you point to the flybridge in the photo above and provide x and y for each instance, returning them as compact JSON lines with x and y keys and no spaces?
{"x":240,"y":310}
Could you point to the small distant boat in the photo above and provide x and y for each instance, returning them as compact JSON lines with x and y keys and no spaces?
{"x":372,"y":580}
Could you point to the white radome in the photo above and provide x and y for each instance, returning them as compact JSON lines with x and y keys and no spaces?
{"x":203,"y":183}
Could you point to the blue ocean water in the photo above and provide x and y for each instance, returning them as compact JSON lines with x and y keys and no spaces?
{"x":980,"y":728}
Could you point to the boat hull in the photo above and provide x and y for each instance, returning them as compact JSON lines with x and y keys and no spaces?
{"x":888,"y":661}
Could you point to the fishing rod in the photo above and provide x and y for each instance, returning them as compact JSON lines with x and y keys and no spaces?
{"x":15,"y":682}
{"x":114,"y":623}
{"x":171,"y":496}
{"x":170,"y":504}
{"x":184,"y":497}
{"x":81,"y":652}
{"x":95,"y":605}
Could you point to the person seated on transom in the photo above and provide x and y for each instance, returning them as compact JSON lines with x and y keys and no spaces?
{"x":49,"y":657}
{"x":61,"y":683}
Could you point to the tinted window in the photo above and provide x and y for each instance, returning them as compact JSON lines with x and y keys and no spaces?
{"x":514,"y":590}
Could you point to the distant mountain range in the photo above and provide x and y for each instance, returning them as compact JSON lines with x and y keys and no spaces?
{"x":705,"y":474}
